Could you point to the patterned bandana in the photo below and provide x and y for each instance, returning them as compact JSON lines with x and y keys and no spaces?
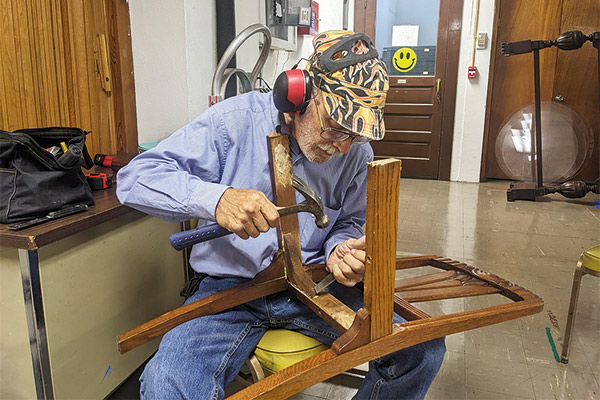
{"x":353,"y":80}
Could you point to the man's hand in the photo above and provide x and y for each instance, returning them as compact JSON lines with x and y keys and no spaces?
{"x":347,"y":261}
{"x":246,"y":212}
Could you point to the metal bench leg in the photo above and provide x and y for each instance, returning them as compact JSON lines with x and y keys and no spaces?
{"x":579,"y":273}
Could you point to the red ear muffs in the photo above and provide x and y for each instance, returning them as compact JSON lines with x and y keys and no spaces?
{"x":292,"y":91}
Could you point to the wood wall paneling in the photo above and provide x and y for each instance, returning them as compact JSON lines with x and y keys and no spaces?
{"x":53,"y":69}
{"x":8,"y":59}
{"x":121,"y":59}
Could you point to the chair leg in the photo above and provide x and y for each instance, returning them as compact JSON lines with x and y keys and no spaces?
{"x":256,"y":369}
{"x":564,"y":358}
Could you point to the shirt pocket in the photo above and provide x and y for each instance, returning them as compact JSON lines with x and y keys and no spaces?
{"x":311,"y":237}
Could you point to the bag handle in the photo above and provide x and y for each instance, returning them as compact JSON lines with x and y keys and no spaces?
{"x":86,"y":161}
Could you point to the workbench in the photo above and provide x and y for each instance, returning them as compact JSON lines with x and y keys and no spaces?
{"x":68,"y":287}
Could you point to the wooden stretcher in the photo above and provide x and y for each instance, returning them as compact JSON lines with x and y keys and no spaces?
{"x":369,"y":333}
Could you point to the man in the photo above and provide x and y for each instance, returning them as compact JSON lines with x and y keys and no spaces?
{"x":217,"y":169}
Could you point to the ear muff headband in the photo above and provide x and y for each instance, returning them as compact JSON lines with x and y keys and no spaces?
{"x":328,"y":61}
{"x":292,"y":90}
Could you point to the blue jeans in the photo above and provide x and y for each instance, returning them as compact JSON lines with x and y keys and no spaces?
{"x":198,"y":359}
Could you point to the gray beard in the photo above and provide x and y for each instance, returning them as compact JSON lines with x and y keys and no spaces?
{"x":314,"y":155}
{"x":312,"y":147}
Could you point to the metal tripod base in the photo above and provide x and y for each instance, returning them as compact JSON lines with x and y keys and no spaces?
{"x":522,"y":191}
{"x":571,"y":190}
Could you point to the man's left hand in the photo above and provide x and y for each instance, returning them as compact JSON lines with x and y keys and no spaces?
{"x":347,"y":261}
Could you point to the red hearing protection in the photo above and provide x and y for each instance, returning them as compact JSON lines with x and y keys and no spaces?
{"x":292,"y":91}
{"x":293,"y":88}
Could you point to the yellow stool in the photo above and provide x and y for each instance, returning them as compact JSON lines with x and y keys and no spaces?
{"x":589,"y":263}
{"x":280,"y":348}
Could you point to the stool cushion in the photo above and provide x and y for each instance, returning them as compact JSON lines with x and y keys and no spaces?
{"x":280,"y":348}
{"x":591,"y":258}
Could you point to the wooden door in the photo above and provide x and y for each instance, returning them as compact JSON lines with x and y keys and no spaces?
{"x":68,"y":63}
{"x":419,"y":111}
{"x":568,"y":75}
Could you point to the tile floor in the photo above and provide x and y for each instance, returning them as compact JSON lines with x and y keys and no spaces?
{"x":533,"y":244}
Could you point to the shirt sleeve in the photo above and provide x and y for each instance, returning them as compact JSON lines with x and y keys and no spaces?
{"x":352,"y":217}
{"x":179,"y":179}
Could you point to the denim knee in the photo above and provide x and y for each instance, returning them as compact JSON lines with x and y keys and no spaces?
{"x":404,"y":374}
{"x":422,"y":359}
{"x":159,"y":381}
{"x":435,"y":355}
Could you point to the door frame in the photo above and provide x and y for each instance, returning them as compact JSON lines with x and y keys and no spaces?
{"x":450,"y":20}
{"x":488,"y":111}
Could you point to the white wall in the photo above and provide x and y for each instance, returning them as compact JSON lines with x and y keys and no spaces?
{"x":471,"y":94}
{"x":173,"y":62}
{"x":174,"y":55}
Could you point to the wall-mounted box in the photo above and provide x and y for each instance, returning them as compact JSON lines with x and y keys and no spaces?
{"x":313,"y":29}
{"x":273,"y":14}
{"x":410,"y":60}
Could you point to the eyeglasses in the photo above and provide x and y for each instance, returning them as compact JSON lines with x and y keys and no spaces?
{"x":338,"y":135}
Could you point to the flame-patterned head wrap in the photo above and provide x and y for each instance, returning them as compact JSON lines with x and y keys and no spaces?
{"x":353,"y":80}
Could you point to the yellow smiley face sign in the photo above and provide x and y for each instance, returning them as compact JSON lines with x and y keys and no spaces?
{"x":404,"y":59}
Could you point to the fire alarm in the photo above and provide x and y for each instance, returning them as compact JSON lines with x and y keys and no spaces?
{"x":472,"y":72}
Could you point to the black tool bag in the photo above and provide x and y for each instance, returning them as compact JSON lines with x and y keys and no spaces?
{"x":33,"y":180}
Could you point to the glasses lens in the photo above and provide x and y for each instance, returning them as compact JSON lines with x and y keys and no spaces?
{"x":334,"y":135}
{"x":337,"y":135}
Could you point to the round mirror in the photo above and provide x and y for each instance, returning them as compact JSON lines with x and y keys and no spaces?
{"x":567,"y":144}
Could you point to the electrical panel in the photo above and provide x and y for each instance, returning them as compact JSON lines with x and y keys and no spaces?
{"x":289,"y":12}
{"x":313,"y":29}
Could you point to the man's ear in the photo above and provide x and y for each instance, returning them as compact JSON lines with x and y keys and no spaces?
{"x":290,"y":117}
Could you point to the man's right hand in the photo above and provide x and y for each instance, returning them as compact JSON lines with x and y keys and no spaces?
{"x":246,"y":212}
{"x":347,"y":261}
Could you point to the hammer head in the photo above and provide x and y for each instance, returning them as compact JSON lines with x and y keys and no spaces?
{"x":313,"y":203}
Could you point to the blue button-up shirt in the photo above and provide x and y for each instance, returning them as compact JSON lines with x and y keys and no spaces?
{"x":185,"y":175}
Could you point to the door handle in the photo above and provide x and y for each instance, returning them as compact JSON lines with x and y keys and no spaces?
{"x":559,"y":98}
{"x":438,"y":96}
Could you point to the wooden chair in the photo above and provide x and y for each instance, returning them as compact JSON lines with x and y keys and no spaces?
{"x":370,"y":332}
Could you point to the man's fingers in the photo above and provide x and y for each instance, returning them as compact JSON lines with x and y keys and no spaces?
{"x":359,"y":244}
{"x":246,"y":212}
{"x":347,"y":280}
{"x":350,"y":270}
{"x":271,"y":215}
{"x":360,"y":255}
{"x":341,"y":277}
{"x":236,"y":227}
{"x":260,"y":223}
{"x":356,"y":265}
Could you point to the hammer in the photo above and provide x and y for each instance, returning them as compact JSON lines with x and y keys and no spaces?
{"x":311,"y":204}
